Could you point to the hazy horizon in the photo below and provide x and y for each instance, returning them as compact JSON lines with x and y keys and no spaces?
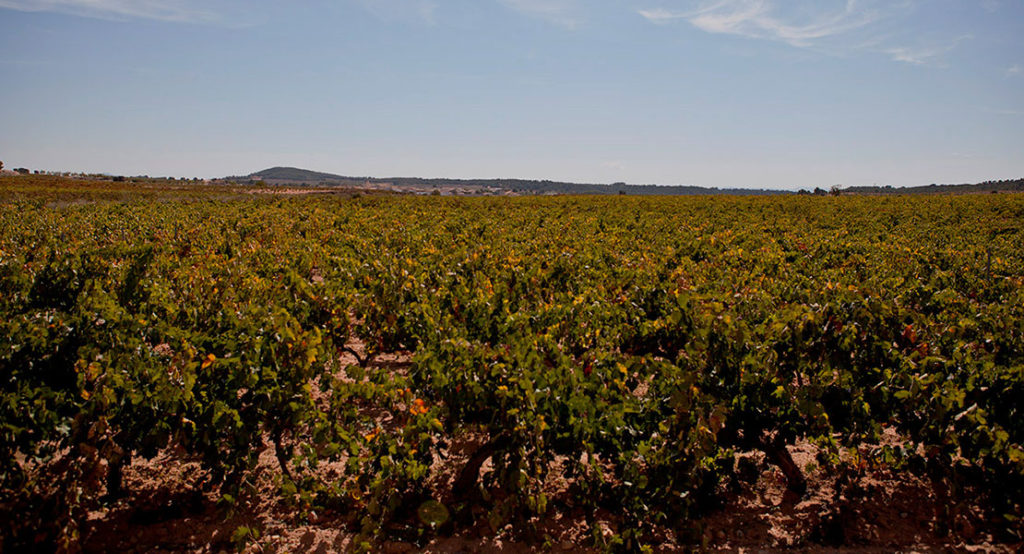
{"x":725,"y":93}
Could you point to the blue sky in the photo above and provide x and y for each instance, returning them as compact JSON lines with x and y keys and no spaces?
{"x":749,"y":93}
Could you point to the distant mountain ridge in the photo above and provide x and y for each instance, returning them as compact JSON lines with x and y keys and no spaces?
{"x":293,"y":176}
{"x":1005,"y":185}
{"x":304,"y":177}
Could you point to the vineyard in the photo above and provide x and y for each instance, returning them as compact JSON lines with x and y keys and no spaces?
{"x":416,"y":367}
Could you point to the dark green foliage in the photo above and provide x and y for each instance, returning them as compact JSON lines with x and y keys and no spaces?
{"x":630,"y":345}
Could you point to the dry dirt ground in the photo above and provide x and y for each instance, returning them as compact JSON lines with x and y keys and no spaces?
{"x":162,"y":515}
{"x":883,"y":512}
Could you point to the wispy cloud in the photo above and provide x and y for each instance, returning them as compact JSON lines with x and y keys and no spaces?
{"x":1014,"y":70}
{"x":908,"y":55}
{"x":828,"y":25}
{"x":764,"y":19}
{"x":561,"y":12}
{"x":163,"y":10}
{"x":924,"y":55}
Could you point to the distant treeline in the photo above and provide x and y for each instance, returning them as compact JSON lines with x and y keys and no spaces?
{"x":295,"y":176}
{"x":291,"y":176}
{"x":1005,"y":185}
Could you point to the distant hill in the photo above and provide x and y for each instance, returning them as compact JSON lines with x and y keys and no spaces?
{"x":1006,"y":185}
{"x":293,"y":176}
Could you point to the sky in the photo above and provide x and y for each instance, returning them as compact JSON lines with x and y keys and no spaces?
{"x":729,"y":93}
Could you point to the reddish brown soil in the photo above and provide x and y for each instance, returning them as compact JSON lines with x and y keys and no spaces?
{"x":889,"y":512}
{"x":160,"y":515}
